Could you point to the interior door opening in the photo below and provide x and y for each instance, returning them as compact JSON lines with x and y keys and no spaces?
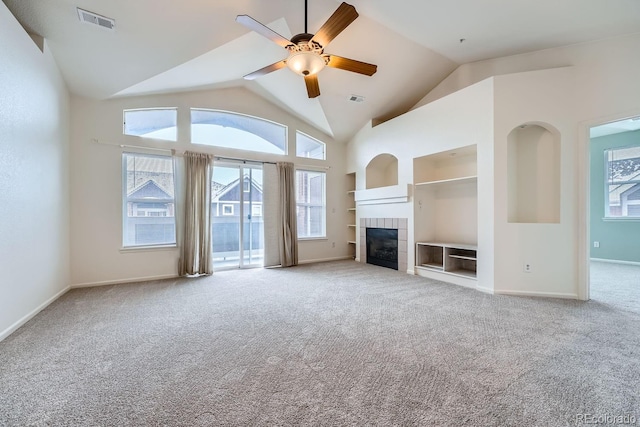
{"x":614,"y":213}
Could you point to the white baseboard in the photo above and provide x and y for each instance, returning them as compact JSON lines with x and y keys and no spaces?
{"x":313,"y":261}
{"x":411,"y":271}
{"x":615,"y":261}
{"x":535,"y":294}
{"x":11,"y":329}
{"x":121,"y":281}
{"x":485,"y":290}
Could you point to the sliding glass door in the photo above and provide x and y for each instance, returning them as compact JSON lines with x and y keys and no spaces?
{"x":237,"y":227}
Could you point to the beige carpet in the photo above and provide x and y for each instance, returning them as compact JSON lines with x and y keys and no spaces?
{"x":327,"y":344}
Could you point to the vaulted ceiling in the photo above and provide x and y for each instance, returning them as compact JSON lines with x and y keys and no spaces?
{"x":167,"y":45}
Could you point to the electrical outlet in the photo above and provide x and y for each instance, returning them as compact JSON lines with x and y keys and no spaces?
{"x":596,"y":244}
{"x":527,"y":267}
{"x":333,"y":244}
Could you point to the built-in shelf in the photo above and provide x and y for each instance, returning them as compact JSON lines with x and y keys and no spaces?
{"x":464,"y":257}
{"x":453,"y":259}
{"x":352,"y":216}
{"x":459,"y":180}
{"x":432,"y":265}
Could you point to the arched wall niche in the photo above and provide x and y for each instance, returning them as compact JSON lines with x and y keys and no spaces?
{"x":533,"y":173}
{"x":382,"y":171}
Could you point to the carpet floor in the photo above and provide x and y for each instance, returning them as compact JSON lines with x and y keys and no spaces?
{"x":333,"y":344}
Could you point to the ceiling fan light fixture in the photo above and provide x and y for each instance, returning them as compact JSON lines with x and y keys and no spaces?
{"x":305,"y":63}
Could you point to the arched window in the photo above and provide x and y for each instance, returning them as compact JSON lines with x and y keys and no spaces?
{"x":232,"y":130}
{"x":156,"y":123}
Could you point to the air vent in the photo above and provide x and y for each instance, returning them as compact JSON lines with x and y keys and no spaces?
{"x":356,"y":98}
{"x":95,"y":19}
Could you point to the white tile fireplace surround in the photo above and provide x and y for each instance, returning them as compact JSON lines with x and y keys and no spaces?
{"x":399,"y":224}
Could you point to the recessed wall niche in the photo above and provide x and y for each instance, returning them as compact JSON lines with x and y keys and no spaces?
{"x":533,"y":174}
{"x":382,"y":171}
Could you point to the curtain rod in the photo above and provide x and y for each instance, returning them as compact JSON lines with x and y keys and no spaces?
{"x":174,"y":152}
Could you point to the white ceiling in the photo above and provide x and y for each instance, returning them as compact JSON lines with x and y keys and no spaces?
{"x":167,"y":45}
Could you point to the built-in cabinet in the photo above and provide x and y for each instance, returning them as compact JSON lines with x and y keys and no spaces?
{"x":352,"y":228}
{"x":446,"y":215}
{"x":451,"y":258}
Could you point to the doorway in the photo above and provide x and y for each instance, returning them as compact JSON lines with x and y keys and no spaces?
{"x":237,"y":225}
{"x":614,"y":213}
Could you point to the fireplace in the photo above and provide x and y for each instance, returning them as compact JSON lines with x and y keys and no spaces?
{"x":382,"y":247}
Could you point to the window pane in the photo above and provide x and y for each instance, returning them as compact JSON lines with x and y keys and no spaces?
{"x":309,"y":147}
{"x":158,"y":123}
{"x":231,"y":130}
{"x":148,"y":197}
{"x":623,"y":182}
{"x":310,"y":198}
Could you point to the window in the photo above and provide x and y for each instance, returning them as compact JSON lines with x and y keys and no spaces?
{"x":622,"y":184}
{"x":256,"y":210}
{"x":233,"y":130}
{"x":157,"y":123}
{"x":148,"y":200}
{"x":309,"y":147}
{"x":227,"y":209}
{"x":310,"y":203}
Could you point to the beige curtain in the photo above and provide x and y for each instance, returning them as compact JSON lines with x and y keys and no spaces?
{"x":195,"y":252}
{"x":288,"y":228}
{"x":270,"y":214}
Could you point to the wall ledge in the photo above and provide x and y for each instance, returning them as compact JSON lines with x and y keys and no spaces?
{"x":400,"y":193}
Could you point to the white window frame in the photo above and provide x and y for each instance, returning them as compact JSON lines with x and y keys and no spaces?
{"x":226,"y":205}
{"x":324,"y":146}
{"x":123,"y":219}
{"x":607,"y":184}
{"x":307,"y":203}
{"x":133,"y":110}
{"x":285,"y":129}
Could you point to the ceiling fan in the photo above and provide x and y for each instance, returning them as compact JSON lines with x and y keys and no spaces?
{"x":306,"y":51}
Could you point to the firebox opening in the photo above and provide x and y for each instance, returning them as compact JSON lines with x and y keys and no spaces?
{"x":382,"y":247}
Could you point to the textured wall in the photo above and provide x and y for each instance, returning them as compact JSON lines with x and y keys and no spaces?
{"x":34,"y":183}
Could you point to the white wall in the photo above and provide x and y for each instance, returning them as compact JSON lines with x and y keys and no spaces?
{"x":599,"y":65}
{"x":586,"y":85}
{"x":96,"y":190}
{"x":34,"y":182}
{"x":548,"y":97}
{"x":462,"y":119}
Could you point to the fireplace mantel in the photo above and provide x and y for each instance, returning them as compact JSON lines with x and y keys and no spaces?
{"x":384,"y":195}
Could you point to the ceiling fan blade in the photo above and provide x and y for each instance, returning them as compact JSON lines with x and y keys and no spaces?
{"x":344,"y":15}
{"x":266,"y":70}
{"x":352,"y":65}
{"x":262,"y":29}
{"x":313,"y":88}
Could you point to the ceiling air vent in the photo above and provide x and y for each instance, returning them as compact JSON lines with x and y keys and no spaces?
{"x":356,"y":98}
{"x":95,"y":19}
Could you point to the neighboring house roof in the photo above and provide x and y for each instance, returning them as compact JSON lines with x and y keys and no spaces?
{"x":149,"y":190}
{"x":632,"y":193}
{"x":222,"y":192}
